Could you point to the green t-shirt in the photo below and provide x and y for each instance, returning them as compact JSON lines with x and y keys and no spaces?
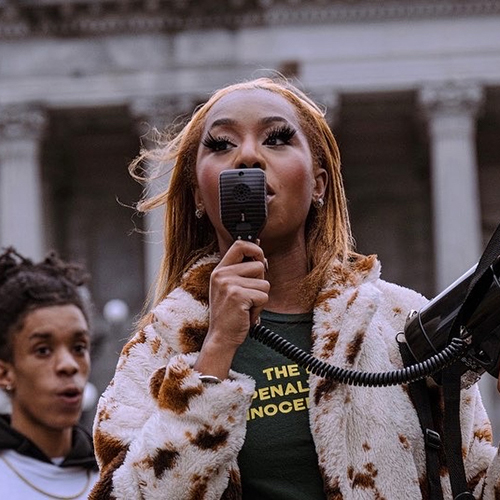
{"x":278,"y":460}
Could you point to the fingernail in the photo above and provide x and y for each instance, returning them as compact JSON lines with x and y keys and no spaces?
{"x":266,"y":264}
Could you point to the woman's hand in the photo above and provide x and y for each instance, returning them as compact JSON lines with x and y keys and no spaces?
{"x":238,"y":293}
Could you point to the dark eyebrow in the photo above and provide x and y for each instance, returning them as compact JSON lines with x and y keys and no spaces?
{"x":40,"y":336}
{"x":47,"y":335}
{"x":222,"y":121}
{"x":265,"y":121}
{"x":273,"y":119}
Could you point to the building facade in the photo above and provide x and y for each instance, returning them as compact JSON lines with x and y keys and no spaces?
{"x":412,"y":92}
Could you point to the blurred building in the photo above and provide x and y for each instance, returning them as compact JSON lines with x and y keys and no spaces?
{"x":412,"y":90}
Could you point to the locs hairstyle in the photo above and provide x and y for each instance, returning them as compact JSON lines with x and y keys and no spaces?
{"x":26,"y":286}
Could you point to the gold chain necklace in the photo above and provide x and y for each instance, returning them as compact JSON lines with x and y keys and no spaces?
{"x":36,"y":488}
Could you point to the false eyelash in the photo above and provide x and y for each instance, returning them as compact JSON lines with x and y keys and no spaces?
{"x":215,"y":143}
{"x":283,"y":132}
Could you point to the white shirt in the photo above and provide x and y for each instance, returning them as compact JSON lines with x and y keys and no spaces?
{"x":25,"y":478}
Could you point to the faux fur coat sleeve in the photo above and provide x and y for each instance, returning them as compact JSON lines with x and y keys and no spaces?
{"x":159,"y":433}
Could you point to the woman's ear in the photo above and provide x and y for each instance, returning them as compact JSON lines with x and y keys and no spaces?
{"x":320,"y":183}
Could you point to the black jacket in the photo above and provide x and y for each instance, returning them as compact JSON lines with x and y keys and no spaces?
{"x":81,"y":453}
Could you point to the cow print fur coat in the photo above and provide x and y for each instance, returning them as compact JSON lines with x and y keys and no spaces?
{"x":161,"y":434}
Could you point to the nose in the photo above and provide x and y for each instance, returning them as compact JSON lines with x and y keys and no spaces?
{"x":250,"y":156}
{"x":256,"y":164}
{"x":66,"y":363}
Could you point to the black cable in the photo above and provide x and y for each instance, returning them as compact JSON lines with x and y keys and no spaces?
{"x":442,"y":359}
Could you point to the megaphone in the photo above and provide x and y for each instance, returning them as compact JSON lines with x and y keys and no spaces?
{"x":428,"y":331}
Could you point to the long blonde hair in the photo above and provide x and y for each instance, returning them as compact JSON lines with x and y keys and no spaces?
{"x":187,"y":238}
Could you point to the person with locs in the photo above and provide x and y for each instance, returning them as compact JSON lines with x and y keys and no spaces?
{"x":44,"y":367}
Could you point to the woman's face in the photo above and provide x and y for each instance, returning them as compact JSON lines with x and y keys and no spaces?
{"x":259,"y":128}
{"x":49,"y":369}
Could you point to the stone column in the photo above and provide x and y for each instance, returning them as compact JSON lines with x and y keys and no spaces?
{"x":157,"y":113}
{"x":451,"y":111}
{"x":21,"y":209}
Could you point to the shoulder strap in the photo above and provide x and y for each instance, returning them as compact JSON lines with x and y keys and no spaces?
{"x":420,"y":396}
{"x":451,"y":381}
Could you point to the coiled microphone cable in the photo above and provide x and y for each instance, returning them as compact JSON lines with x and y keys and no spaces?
{"x":451,"y":353}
